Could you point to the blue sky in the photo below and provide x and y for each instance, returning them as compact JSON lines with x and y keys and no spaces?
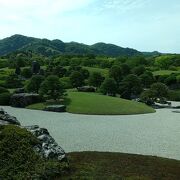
{"x":145,"y":25}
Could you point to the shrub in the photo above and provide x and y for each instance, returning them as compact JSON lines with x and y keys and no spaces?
{"x":5,"y":98}
{"x":174,"y":95}
{"x":18,"y":160}
{"x":3,"y":90}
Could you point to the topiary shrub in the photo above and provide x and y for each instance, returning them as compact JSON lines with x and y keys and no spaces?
{"x":5,"y":98}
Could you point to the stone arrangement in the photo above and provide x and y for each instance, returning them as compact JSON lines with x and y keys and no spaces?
{"x":48,"y":148}
{"x":56,"y":108}
{"x":24,"y":99}
{"x":6,"y":119}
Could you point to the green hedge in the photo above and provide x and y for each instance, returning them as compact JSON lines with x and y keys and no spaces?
{"x":5,"y":98}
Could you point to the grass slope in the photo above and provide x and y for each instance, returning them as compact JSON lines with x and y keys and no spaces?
{"x":104,"y":72}
{"x":92,"y":103}
{"x":165,"y":72}
{"x":96,"y":165}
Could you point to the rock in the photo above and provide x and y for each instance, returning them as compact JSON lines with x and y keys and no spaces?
{"x":86,"y":89}
{"x":56,"y":108}
{"x":5,"y":118}
{"x":19,"y":90}
{"x":24,"y":99}
{"x":49,"y":148}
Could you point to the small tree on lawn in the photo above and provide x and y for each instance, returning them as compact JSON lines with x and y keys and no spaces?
{"x":96,"y":79}
{"x":52,"y":87}
{"x":77,"y":79}
{"x":109,"y":87}
{"x":34,"y":83}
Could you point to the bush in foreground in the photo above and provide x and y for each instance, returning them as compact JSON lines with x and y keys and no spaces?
{"x":5,"y":98}
{"x":19,"y":161}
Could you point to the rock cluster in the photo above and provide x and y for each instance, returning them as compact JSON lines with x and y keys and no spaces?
{"x":47,"y":148}
{"x":5,"y":118}
{"x":86,"y":89}
{"x":24,"y":99}
{"x":56,"y":108}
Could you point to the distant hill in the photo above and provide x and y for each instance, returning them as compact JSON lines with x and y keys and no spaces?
{"x":48,"y":48}
{"x":154,"y":53}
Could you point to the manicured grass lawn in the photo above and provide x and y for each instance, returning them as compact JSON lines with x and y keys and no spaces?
{"x":104,"y":72}
{"x":93,"y":103}
{"x":96,"y":165}
{"x":96,"y":104}
{"x":164,"y":72}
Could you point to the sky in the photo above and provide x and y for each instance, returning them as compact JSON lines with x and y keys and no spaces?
{"x":145,"y":25}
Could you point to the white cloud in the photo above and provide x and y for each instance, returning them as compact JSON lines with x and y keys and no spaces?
{"x":124,"y":5}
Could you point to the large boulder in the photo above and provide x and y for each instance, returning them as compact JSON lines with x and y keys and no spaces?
{"x":24,"y":99}
{"x":19,"y":90}
{"x":56,"y":108}
{"x":6,"y":119}
{"x":48,"y":148}
{"x":86,"y":89}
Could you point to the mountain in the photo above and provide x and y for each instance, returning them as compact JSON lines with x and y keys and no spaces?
{"x":55,"y":47}
{"x":154,"y":53}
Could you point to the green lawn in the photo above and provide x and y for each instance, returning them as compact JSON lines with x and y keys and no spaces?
{"x":104,"y":72}
{"x":96,"y":104}
{"x":99,"y":165}
{"x":93,"y":103}
{"x":164,"y":72}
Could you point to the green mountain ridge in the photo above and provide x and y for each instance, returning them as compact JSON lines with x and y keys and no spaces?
{"x":56,"y":47}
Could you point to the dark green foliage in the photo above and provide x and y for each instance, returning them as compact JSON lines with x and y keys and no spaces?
{"x":66,"y":82}
{"x":26,"y":72}
{"x":170,"y":80}
{"x":96,"y":79}
{"x":119,"y":166}
{"x":12,"y":81}
{"x":85,"y":73}
{"x":125,"y":69}
{"x":59,"y":71}
{"x":34,"y":83}
{"x":157,"y":93}
{"x":174,"y":95}
{"x":146,"y":79}
{"x":3,"y":63}
{"x":130,"y":87}
{"x":77,"y":79}
{"x":115,"y":72}
{"x":166,"y":61}
{"x":113,"y":50}
{"x":159,"y":90}
{"x":52,"y":87}
{"x":139,"y":70}
{"x":109,"y":87}
{"x":3,"y":90}
{"x":5,"y":98}
{"x":19,"y":161}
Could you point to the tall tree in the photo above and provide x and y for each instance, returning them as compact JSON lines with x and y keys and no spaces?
{"x":34,"y":83}
{"x":96,"y":79}
{"x":109,"y":87}
{"x":52,"y":87}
